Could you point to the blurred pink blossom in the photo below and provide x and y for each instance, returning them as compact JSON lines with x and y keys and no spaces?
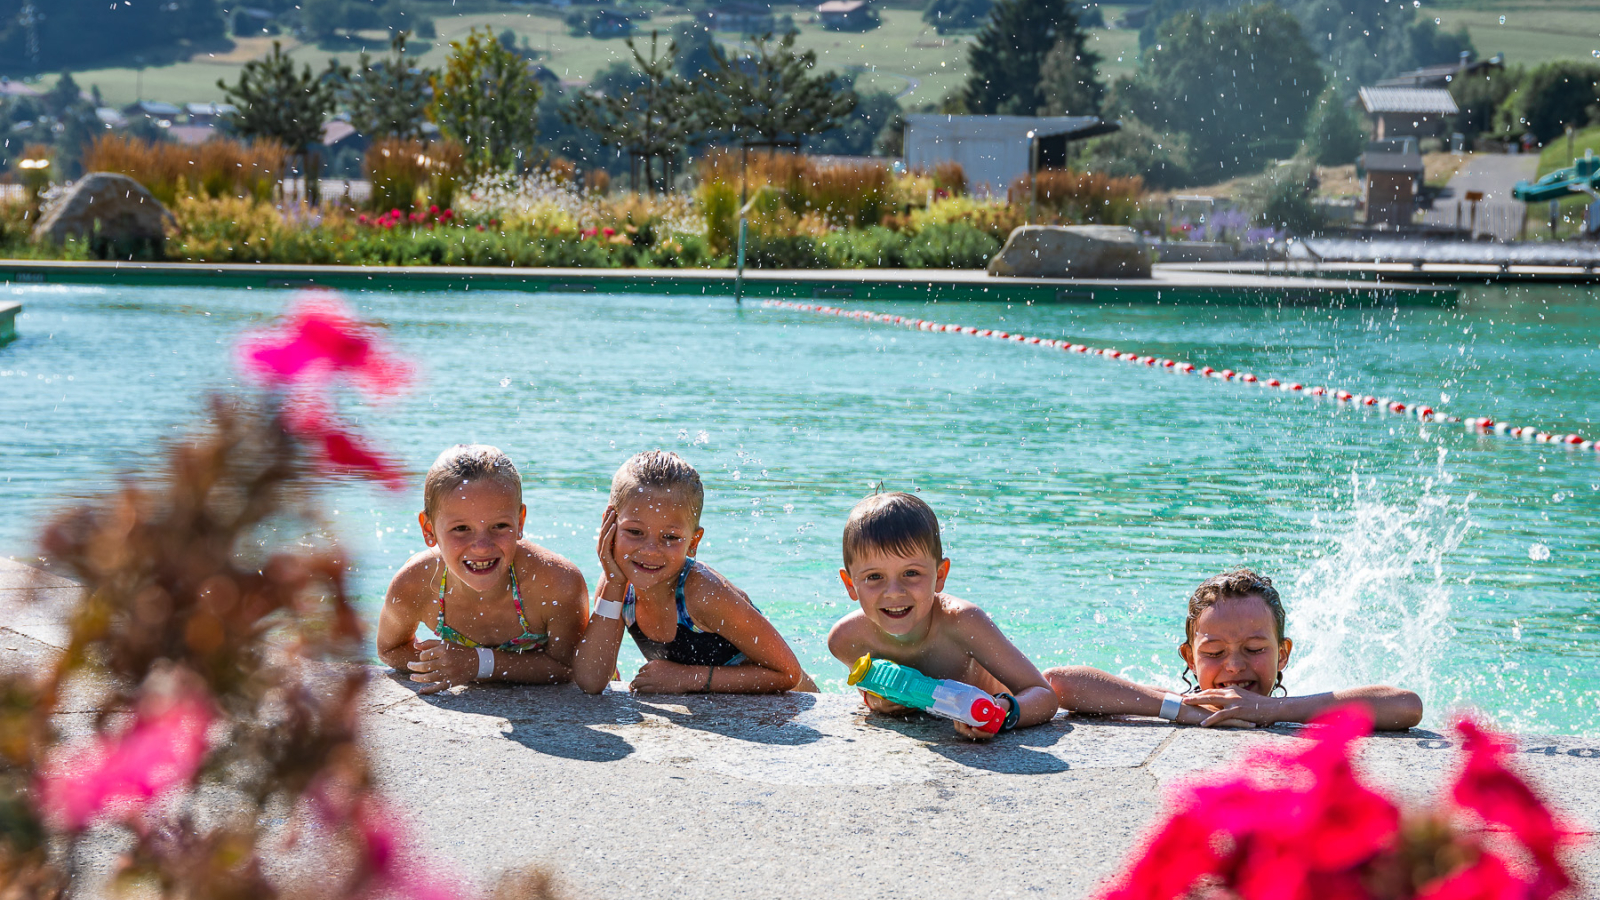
{"x":161,"y":750}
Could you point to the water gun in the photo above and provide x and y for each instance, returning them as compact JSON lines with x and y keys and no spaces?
{"x":942,"y":697}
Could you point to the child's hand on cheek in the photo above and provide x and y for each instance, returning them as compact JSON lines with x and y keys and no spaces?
{"x":440,"y":665}
{"x":607,"y":549}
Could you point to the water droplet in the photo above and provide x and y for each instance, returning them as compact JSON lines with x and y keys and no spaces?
{"x":1502,"y":20}
{"x":1538,"y":552}
{"x":505,"y":382}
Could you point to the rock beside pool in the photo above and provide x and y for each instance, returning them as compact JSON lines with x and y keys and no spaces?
{"x":1073,"y":251}
{"x":112,"y":212}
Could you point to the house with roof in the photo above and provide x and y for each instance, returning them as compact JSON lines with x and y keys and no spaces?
{"x":1407,"y":111}
{"x":739,"y":16}
{"x":847,"y":15}
{"x":1392,"y":174}
{"x":994,"y":151}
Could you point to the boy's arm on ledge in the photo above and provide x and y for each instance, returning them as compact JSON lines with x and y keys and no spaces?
{"x":1001,"y":658}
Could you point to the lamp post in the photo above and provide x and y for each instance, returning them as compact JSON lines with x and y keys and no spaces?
{"x":1033,"y":173}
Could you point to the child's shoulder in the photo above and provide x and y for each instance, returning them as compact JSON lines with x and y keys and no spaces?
{"x":852,"y":635}
{"x":964,"y":613}
{"x":704,"y":584}
{"x":545,"y":566}
{"x":416,"y":573}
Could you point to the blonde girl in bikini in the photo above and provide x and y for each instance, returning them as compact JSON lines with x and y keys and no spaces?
{"x":502,"y":607}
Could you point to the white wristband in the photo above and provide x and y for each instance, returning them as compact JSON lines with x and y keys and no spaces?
{"x":607,"y":609}
{"x":1171,"y":705}
{"x":485,"y":663}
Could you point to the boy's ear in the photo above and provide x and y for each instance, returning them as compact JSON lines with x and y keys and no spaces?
{"x":427,"y":529}
{"x":849,"y":586}
{"x":694,"y":542}
{"x":942,"y":573}
{"x":1285,"y":647}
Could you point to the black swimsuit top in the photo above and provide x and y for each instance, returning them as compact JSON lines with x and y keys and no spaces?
{"x":690,"y":646}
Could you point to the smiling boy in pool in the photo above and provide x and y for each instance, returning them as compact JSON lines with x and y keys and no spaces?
{"x":894,"y":566}
{"x":504,"y":608}
{"x":1234,"y":644}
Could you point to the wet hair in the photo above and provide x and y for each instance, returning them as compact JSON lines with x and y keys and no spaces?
{"x":468,"y":462}
{"x":659,"y":470}
{"x":1236,"y":584}
{"x":896,"y":522}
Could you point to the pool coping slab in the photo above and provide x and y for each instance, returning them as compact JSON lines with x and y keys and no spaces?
{"x":1169,"y":284}
{"x":696,"y":796}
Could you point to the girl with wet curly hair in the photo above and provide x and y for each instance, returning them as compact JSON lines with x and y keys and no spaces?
{"x":1235,"y":651}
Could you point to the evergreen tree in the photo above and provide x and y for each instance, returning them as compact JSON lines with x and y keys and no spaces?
{"x":487,"y":99}
{"x":773,"y":94}
{"x":387,"y":97}
{"x":1069,"y":79}
{"x":1007,"y":58}
{"x":653,"y":121}
{"x":956,"y":15}
{"x":276,"y":103}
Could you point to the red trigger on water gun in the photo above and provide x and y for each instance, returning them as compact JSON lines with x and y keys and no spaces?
{"x":990,"y":714}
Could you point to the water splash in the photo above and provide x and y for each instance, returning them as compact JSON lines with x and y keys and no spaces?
{"x":1377,"y":609}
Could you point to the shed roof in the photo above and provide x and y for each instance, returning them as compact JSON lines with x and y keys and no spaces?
{"x":1426,"y":101}
{"x":841,"y":6}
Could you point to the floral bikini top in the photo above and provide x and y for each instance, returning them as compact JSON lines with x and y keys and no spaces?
{"x":520,"y":644}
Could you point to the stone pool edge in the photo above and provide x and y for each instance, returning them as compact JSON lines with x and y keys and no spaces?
{"x":1176,"y":285}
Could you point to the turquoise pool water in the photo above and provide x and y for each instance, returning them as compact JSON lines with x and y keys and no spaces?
{"x":1082,"y":499}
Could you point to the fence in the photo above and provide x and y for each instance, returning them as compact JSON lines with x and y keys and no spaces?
{"x":1500,"y":220}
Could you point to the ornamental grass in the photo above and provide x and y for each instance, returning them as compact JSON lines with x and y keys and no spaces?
{"x":1068,"y":197}
{"x":411,"y":173}
{"x":218,"y":168}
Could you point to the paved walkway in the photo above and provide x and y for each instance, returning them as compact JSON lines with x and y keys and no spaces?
{"x":798,"y":795}
{"x":1494,"y":174}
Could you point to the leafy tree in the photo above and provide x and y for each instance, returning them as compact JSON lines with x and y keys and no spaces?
{"x":1069,"y":82}
{"x":956,"y":15}
{"x":387,"y":97}
{"x":695,"y":58}
{"x":38,"y":36}
{"x":1239,"y":84}
{"x":653,"y":121}
{"x":274,"y":102}
{"x":772,"y":94}
{"x":1161,"y":159}
{"x":1334,"y":137}
{"x":1556,"y":96}
{"x":1007,"y":58}
{"x":487,"y":98}
{"x":1479,"y":97}
{"x":1360,"y":41}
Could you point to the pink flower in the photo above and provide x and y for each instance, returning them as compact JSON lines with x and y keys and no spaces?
{"x":362,"y":218}
{"x":480,"y":227}
{"x":1502,"y":799}
{"x":608,"y":231}
{"x":447,"y":215}
{"x":162,"y":749}
{"x":1485,"y":879}
{"x":320,"y":339}
{"x":433,"y":210}
{"x":395,"y":214}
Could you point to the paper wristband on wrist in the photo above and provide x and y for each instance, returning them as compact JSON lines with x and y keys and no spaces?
{"x":485,"y":663}
{"x":607,"y":609}
{"x":1013,"y":713}
{"x":1171,"y":705}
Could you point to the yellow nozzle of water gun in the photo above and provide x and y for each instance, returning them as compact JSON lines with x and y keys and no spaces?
{"x":860,"y":670}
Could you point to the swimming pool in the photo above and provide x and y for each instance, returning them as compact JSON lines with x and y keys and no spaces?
{"x":1081,"y":499}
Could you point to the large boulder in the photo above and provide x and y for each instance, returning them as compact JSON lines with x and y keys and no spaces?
{"x":1073,"y":251}
{"x":113,"y":213}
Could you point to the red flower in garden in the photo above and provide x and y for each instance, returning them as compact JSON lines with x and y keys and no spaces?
{"x":318,"y":341}
{"x":433,"y":210}
{"x":480,"y":227}
{"x":608,"y":231}
{"x":447,"y":215}
{"x":362,"y":218}
{"x":161,"y":750}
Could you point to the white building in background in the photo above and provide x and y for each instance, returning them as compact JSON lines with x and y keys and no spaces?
{"x":993,"y":150}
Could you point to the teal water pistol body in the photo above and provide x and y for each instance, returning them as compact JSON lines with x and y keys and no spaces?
{"x":941,"y":697}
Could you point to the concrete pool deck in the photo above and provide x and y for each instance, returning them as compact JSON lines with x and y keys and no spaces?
{"x":1176,"y":285}
{"x":798,"y":795}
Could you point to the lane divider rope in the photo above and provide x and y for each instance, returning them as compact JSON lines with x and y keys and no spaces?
{"x":1479,"y":424}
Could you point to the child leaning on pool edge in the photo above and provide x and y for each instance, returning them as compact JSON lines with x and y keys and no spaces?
{"x":894,"y":566}
{"x":1235,"y":646}
{"x":504,"y":608}
{"x":697,"y":632}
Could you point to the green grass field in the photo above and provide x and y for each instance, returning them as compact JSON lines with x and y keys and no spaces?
{"x":1557,"y":155}
{"x":903,"y":56}
{"x":1532,"y":33}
